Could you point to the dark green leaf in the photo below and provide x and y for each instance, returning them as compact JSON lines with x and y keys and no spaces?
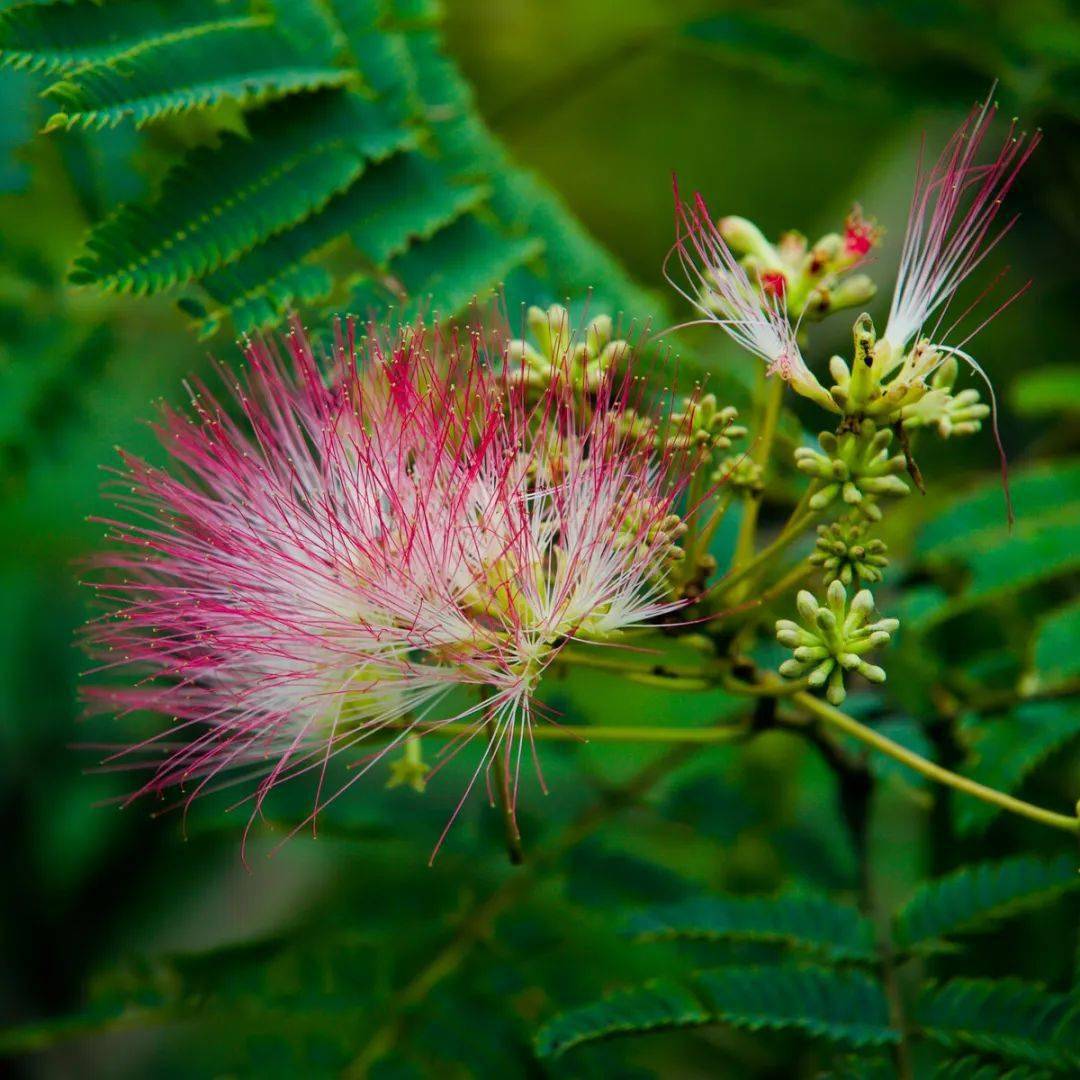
{"x":1017,"y":1020}
{"x":61,"y":37}
{"x":657,"y":1005}
{"x":842,"y":1007}
{"x":974,"y":897}
{"x":221,"y":201}
{"x":1004,"y":750}
{"x":195,"y":72}
{"x":800,"y":919}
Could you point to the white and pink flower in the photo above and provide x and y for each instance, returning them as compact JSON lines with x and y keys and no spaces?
{"x":377,"y":530}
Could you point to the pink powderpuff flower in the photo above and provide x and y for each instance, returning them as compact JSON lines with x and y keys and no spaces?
{"x":751,"y":313}
{"x":953,"y":208}
{"x":377,"y":530}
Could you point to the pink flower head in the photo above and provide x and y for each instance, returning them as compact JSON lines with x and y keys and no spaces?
{"x":369,"y":536}
{"x":751,"y":313}
{"x":948,"y":233}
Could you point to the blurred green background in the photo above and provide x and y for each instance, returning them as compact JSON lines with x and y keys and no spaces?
{"x":783,"y":112}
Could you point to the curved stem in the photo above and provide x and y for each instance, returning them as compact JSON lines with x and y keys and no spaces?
{"x":831,"y":715}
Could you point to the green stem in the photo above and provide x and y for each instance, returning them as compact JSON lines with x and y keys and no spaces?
{"x":660,"y":674}
{"x":704,"y":539}
{"x":686,"y":736}
{"x":830,"y":715}
{"x":772,"y":397}
{"x":767,"y":554}
{"x":793,"y":577}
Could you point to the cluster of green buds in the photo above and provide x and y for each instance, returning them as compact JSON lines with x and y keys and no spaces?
{"x":814,"y":279}
{"x":701,"y":423}
{"x":856,"y":466}
{"x":831,"y":639}
{"x":915,"y":389}
{"x":556,"y":352}
{"x":846,"y":554}
{"x":659,"y":536}
{"x":950,"y":414}
{"x":741,"y":473}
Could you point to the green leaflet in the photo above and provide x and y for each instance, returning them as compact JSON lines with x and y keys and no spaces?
{"x":842,"y":1007}
{"x":1040,"y":493}
{"x":976,"y":1068}
{"x":661,"y":1003}
{"x":196,"y":71}
{"x":465,"y":263}
{"x":63,"y":37}
{"x":1057,"y":647}
{"x":974,"y":897}
{"x":801,"y":920}
{"x":255,"y":276}
{"x":249,"y":218}
{"x":839,"y":1006}
{"x":1005,"y":749}
{"x":221,"y":201}
{"x":1018,"y":1020}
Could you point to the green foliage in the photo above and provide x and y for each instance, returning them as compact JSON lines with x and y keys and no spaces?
{"x":974,"y":897}
{"x":1005,"y":749}
{"x":840,"y":1007}
{"x":200,"y":69}
{"x":223,"y":200}
{"x":800,"y":920}
{"x":976,"y":1068}
{"x":60,"y":38}
{"x":265,"y":219}
{"x":657,"y":1005}
{"x":1048,"y":390}
{"x":1018,"y":1021}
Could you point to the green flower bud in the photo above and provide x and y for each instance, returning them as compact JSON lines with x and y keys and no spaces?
{"x":745,"y":238}
{"x":847,"y":555}
{"x":740,"y":472}
{"x":832,"y":638}
{"x":556,"y":352}
{"x":701,"y":423}
{"x":856,"y":466}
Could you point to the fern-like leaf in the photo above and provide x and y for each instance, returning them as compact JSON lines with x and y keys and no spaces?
{"x":799,"y":920}
{"x":1006,"y":749}
{"x":59,"y":38}
{"x":250,"y":284}
{"x":842,"y":1007}
{"x":972,"y":1067}
{"x":221,"y":201}
{"x":467,"y":262}
{"x":658,"y":1005}
{"x":245,"y":65}
{"x":974,"y":897}
{"x":1006,"y":1017}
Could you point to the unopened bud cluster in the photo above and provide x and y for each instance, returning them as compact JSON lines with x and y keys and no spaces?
{"x":557,"y":353}
{"x":813,"y":279}
{"x":855,"y":466}
{"x":846,"y":554}
{"x":831,"y":639}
